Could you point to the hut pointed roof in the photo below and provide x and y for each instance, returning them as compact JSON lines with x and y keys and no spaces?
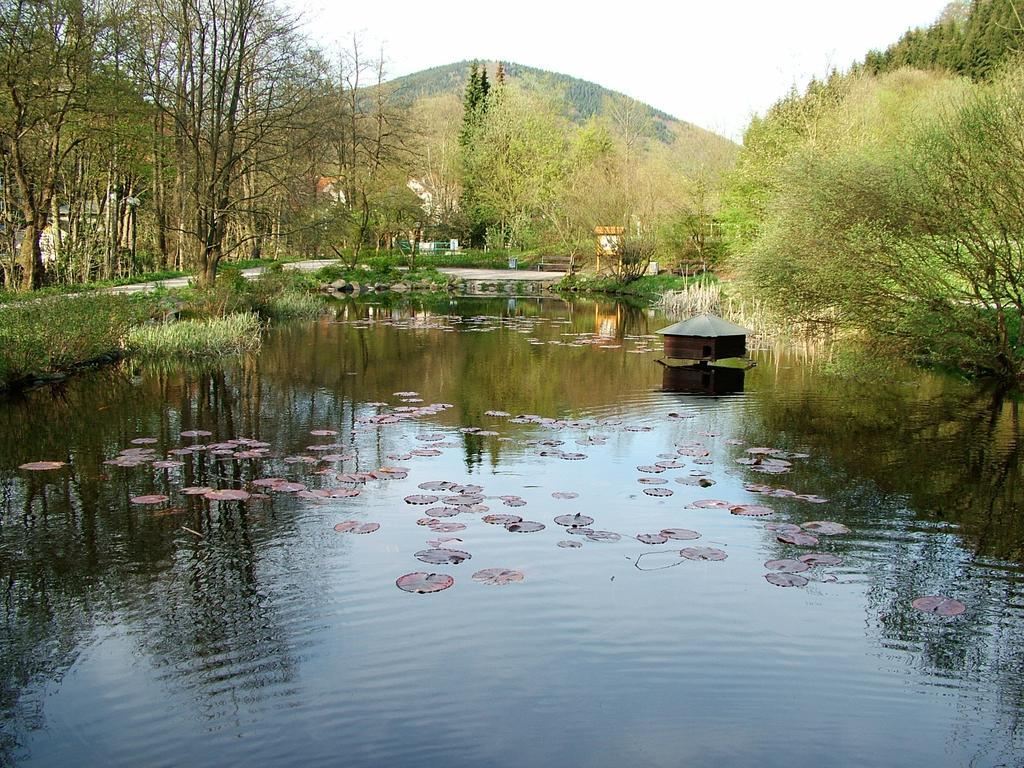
{"x":707,"y":325}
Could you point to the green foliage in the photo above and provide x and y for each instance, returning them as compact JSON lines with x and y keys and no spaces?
{"x":972,"y":39}
{"x":647,"y":287}
{"x":234,"y":334}
{"x":894,"y":212}
{"x":51,"y":335}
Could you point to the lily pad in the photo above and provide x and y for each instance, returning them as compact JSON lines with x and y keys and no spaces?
{"x":701,"y":482}
{"x":570,"y":544}
{"x":462,"y":500}
{"x":339,"y":493}
{"x":939,"y":604}
{"x":783,"y":528}
{"x":799,"y":539}
{"x":441,"y":541}
{"x":424,"y":583}
{"x":787,"y":566}
{"x":435,"y":485}
{"x":680,"y":534}
{"x":603,"y":536}
{"x":420,"y":499}
{"x":657,"y":491}
{"x":702,"y":553}
{"x":525,"y":526}
{"x":501,"y":519}
{"x":227,"y":494}
{"x":168,"y":464}
{"x":751,"y":510}
{"x":821,"y":558}
{"x":497,"y":576}
{"x":151,"y":499}
{"x":785,"y":579}
{"x":710,"y":504}
{"x":365,"y":528}
{"x":564,"y":495}
{"x":651,"y":538}
{"x":42,"y":466}
{"x":288,"y":487}
{"x":825,"y":528}
{"x":574,"y":521}
{"x":445,"y":511}
{"x":442,"y":556}
{"x":440,"y":526}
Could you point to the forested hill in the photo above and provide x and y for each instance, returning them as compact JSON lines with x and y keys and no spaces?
{"x":971,"y":38}
{"x":582,"y":99}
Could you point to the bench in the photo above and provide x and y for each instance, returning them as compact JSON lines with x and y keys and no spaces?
{"x":556,"y":264}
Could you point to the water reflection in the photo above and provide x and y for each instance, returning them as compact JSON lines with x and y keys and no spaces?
{"x":230,"y":619}
{"x":702,"y":379}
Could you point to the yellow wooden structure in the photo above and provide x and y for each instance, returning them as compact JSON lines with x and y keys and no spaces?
{"x":608,"y":243}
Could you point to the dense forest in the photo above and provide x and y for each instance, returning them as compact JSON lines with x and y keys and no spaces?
{"x":971,"y":38}
{"x":888,"y":202}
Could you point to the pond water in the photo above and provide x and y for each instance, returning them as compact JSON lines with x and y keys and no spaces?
{"x":213,"y":633}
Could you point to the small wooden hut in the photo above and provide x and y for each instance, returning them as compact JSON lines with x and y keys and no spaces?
{"x":706,"y":338}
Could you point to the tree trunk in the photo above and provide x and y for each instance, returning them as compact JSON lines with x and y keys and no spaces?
{"x":32,"y":270}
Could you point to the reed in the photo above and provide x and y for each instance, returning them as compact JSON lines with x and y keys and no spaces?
{"x":234,"y":334}
{"x":293,"y":304}
{"x":707,"y":296}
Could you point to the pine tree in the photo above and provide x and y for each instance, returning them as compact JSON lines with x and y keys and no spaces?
{"x":485,"y":88}
{"x":475,"y":103}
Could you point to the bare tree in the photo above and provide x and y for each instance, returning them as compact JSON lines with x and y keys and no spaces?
{"x":371,"y":139}
{"x":222,"y":75}
{"x":46,"y":58}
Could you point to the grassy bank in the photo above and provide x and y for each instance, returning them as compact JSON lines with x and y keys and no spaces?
{"x":649,"y":287}
{"x":384,"y":270}
{"x":52,"y":336}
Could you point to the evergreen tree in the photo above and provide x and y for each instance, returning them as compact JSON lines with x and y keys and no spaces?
{"x":971,"y":40}
{"x":475,"y":103}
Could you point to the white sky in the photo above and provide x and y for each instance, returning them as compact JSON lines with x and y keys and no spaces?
{"x":710,"y":63}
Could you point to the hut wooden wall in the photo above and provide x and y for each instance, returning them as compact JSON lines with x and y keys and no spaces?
{"x":705,"y":348}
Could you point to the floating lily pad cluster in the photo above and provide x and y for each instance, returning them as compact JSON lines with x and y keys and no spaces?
{"x":236,"y":470}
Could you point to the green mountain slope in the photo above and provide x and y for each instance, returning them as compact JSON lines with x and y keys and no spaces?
{"x":581,"y":99}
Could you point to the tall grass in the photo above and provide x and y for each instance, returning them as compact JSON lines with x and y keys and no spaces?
{"x":233,"y":334}
{"x":707,"y":297}
{"x":55,"y":334}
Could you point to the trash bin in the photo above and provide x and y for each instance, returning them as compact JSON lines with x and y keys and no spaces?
{"x":512,"y":261}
